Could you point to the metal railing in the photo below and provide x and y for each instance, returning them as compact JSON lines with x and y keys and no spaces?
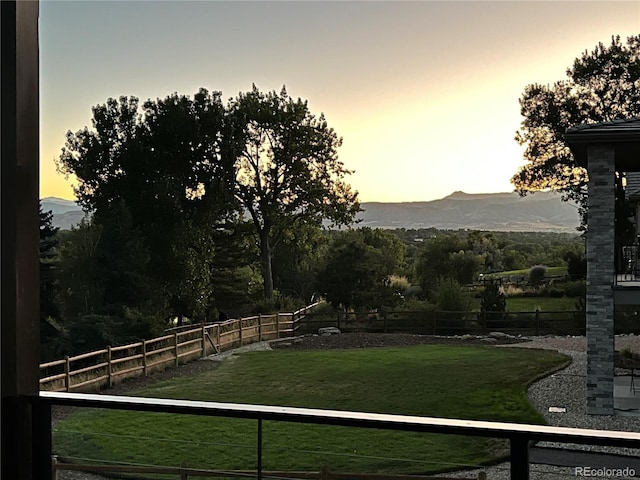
{"x":518,"y":435}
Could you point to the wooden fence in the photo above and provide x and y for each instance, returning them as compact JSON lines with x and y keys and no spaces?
{"x":184,"y":473}
{"x":454,"y":323}
{"x":104,"y":368}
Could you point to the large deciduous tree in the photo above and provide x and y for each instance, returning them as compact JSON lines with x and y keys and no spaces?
{"x":602,"y":85}
{"x":358,"y":268}
{"x":287,"y":169}
{"x":162,"y":165}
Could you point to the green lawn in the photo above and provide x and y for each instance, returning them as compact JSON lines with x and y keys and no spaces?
{"x":551,"y":271}
{"x":480,"y":383}
{"x":545,"y":304}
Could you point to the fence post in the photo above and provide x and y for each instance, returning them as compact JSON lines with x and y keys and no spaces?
{"x":144,"y":358}
{"x":175,"y":342}
{"x":204,"y":344}
{"x":259,"y":327}
{"x":277,"y":325}
{"x":67,"y":377}
{"x":218,"y":337}
{"x":384,"y":321}
{"x":109,"y":367}
{"x":484,"y":321}
{"x":435,"y":327}
{"x":240,"y":329}
{"x":537,"y":322}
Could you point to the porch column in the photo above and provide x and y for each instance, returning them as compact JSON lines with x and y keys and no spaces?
{"x":19,"y":237}
{"x":600,"y":279}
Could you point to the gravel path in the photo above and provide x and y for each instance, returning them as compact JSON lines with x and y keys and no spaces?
{"x":564,"y":389}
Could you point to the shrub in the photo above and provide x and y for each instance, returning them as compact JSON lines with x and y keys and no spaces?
{"x":493,"y":298}
{"x":450,"y":297}
{"x":536,"y":275}
{"x":512,"y":291}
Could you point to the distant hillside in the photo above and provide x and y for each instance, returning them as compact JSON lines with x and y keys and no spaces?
{"x":509,"y":212}
{"x":66,"y":213}
{"x":540,"y":212}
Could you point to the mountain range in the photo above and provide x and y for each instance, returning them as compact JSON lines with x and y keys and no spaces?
{"x":539,"y":212}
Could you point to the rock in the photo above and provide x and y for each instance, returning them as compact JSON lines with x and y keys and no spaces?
{"x":489,"y":340}
{"x":328,"y":331}
{"x":499,"y":335}
{"x":468,"y":336}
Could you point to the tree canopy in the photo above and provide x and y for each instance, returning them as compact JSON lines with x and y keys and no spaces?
{"x":602,"y":85}
{"x":287,"y":169}
{"x":358,"y":267}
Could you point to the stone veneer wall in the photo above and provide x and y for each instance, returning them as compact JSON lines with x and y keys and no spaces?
{"x":600,"y":278}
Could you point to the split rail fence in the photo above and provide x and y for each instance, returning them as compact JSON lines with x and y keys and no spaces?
{"x":106,"y":367}
{"x":184,"y":473}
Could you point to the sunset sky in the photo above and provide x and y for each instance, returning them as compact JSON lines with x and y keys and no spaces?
{"x":424,"y":93}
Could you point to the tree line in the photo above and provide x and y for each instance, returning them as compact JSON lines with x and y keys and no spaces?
{"x":201,"y":208}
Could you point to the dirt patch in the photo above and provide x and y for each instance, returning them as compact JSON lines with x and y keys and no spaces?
{"x":379,"y":340}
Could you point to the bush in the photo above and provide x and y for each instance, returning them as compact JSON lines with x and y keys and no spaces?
{"x":450,"y":297}
{"x":280,"y":303}
{"x":493,"y":301}
{"x":536,"y":275}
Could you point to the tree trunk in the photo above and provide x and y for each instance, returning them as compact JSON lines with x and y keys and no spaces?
{"x":267,"y":273}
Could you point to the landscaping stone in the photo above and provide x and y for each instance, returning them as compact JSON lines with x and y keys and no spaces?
{"x":489,"y":340}
{"x":328,"y":331}
{"x":499,"y":335}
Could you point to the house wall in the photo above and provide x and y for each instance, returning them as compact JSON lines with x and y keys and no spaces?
{"x":600,"y":279}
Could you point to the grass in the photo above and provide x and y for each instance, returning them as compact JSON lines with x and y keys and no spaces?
{"x":545,"y":304}
{"x":551,"y":271}
{"x":480,"y":383}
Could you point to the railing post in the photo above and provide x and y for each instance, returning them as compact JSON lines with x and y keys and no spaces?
{"x":109,"y":367}
{"x":41,"y":428}
{"x":175,"y":342}
{"x":67,"y":376}
{"x":218,"y":337}
{"x":240,"y":329}
{"x":537,"y":322}
{"x":277,"y":325}
{"x":259,"y":327}
{"x":259,"y":449}
{"x":519,"y":458}
{"x":144,"y":358}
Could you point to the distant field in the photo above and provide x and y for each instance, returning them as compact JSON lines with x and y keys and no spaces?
{"x":481,"y":383}
{"x":551,"y":271}
{"x":546,"y":304}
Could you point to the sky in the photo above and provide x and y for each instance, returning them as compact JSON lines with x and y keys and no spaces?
{"x":424,"y":93}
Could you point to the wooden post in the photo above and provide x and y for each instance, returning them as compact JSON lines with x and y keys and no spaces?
{"x":144,"y":358}
{"x":325,"y":474}
{"x":277,"y":325}
{"x":67,"y":377}
{"x":175,"y":342}
{"x":537,"y":322}
{"x":240,"y":329}
{"x":184,"y":475}
{"x":259,"y":327}
{"x":218,"y":337}
{"x":109,"y":367}
{"x":204,"y":344}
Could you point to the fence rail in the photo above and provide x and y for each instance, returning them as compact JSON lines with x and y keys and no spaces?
{"x":104,"y":368}
{"x":452,"y":323}
{"x":184,"y":472}
{"x":518,"y":435}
